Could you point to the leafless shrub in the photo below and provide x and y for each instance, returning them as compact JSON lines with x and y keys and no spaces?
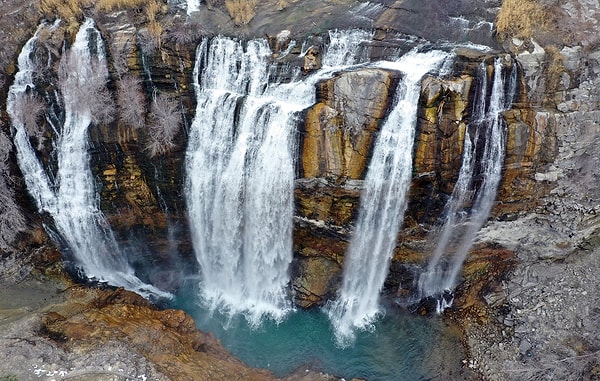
{"x":28,"y":110}
{"x":150,"y":38}
{"x":12,"y":221}
{"x":185,"y":33}
{"x":86,"y":92}
{"x":119,"y":59}
{"x":131,"y":102}
{"x":165,"y":121}
{"x":5,"y":149}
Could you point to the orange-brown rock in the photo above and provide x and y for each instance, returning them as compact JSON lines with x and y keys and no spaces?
{"x":483,"y":272}
{"x":168,"y":338}
{"x":531,"y":143}
{"x":317,"y":265}
{"x":339,"y":128}
{"x":441,"y":128}
{"x":315,"y":280}
{"x":317,"y":199}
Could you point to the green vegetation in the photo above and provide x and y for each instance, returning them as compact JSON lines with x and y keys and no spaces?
{"x":9,"y":377}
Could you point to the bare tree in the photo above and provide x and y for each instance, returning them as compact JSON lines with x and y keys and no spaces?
{"x":150,"y":38}
{"x":119,"y":58}
{"x":86,"y":92}
{"x":5,"y":149}
{"x":165,"y":121}
{"x":28,"y":110}
{"x":185,"y":33}
{"x":131,"y":102}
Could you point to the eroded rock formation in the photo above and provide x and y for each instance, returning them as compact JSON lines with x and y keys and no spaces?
{"x":547,"y":187}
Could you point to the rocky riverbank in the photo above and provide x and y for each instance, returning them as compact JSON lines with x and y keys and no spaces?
{"x":55,"y":330}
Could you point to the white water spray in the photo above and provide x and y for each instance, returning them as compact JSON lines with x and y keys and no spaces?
{"x":193,"y":6}
{"x":347,"y":47}
{"x":486,"y":152}
{"x":71,"y":199}
{"x":240,"y":175}
{"x":382,"y":204}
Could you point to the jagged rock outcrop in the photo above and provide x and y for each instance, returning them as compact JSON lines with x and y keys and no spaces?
{"x":168,"y":338}
{"x":141,"y":194}
{"x":446,"y":108}
{"x":339,"y":129}
{"x":541,"y":322}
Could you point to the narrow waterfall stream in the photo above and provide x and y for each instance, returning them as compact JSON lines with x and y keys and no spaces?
{"x":382,"y":205}
{"x":482,"y":158}
{"x":193,"y":6}
{"x":70,"y":197}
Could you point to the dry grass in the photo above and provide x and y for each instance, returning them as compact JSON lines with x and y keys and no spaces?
{"x":241,"y":11}
{"x":555,"y":67}
{"x":113,"y":5}
{"x":521,"y":19}
{"x":73,"y":9}
{"x":64,"y":9}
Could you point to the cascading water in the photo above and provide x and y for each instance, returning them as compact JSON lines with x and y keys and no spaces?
{"x":482,"y":158}
{"x":71,"y":199}
{"x":239,"y":161}
{"x":347,"y":47}
{"x":240,"y":172}
{"x":193,"y":6}
{"x":382,"y":204}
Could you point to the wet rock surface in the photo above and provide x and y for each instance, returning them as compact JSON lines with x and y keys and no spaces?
{"x":543,"y":320}
{"x":49,"y":331}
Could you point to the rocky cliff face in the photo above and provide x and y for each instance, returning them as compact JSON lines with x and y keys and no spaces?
{"x":542,"y":236}
{"x":545,"y":307}
{"x":141,"y":193}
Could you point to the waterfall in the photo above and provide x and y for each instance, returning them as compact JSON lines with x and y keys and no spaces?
{"x":347,"y":47}
{"x":239,"y":176}
{"x":70,"y":198}
{"x":193,"y":6}
{"x":482,"y":159}
{"x":240,"y":173}
{"x":382,"y":203}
